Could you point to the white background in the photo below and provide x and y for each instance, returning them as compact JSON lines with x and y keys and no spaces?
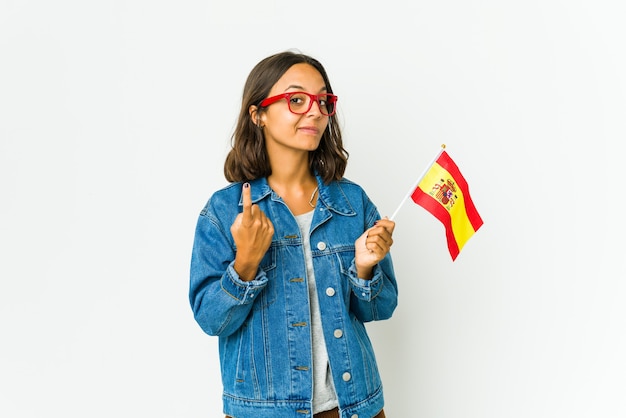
{"x":115,"y":118}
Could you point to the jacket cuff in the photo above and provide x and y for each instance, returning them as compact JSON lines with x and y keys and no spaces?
{"x":366,"y":289}
{"x":240,"y":290}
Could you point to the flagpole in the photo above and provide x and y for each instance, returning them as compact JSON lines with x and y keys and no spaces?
{"x":443,"y":147}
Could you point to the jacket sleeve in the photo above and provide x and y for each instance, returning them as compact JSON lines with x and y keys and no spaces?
{"x":220,"y":300}
{"x":377,"y":298}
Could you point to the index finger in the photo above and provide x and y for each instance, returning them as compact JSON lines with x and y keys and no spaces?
{"x":387,"y":224}
{"x":247,"y":203}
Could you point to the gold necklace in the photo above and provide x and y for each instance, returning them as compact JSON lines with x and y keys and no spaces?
{"x":312,"y":196}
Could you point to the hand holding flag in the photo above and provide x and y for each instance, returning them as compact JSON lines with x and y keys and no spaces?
{"x":372,"y":246}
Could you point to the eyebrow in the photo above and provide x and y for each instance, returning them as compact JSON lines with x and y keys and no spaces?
{"x":295,"y":86}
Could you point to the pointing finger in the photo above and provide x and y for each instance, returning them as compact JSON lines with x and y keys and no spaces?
{"x":247,"y":204}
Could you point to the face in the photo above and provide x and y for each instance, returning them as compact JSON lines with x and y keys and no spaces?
{"x":285,"y":130}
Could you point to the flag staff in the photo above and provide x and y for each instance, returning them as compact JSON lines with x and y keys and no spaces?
{"x":443,"y":147}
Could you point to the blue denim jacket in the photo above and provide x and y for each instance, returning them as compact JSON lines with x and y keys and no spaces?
{"x":263,"y":325}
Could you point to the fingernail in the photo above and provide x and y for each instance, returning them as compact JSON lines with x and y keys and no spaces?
{"x":246,"y":185}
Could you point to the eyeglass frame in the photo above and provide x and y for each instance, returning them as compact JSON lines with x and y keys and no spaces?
{"x":331,"y":98}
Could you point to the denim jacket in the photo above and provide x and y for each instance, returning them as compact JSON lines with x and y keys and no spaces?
{"x":263,"y":325}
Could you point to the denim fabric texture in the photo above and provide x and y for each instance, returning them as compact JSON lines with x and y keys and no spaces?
{"x":263,"y":325}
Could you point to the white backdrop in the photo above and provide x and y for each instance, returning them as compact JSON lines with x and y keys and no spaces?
{"x":115,"y":117}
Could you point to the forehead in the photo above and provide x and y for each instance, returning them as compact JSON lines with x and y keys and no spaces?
{"x":300,"y":76}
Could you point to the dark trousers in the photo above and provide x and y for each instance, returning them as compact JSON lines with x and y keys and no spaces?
{"x":334,"y":413}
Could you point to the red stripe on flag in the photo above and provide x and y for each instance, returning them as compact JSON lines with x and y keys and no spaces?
{"x":433,"y":206}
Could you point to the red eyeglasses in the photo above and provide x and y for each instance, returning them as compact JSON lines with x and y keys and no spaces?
{"x":300,"y":102}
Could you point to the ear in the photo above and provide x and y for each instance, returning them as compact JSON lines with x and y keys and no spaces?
{"x":256,"y":116}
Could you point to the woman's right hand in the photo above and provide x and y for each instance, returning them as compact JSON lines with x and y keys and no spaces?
{"x":252,"y":232}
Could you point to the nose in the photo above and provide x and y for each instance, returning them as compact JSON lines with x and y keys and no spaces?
{"x":315,"y":110}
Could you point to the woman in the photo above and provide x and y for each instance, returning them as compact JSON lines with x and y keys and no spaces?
{"x":290,"y":260}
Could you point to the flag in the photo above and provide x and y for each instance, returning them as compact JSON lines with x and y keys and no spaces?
{"x":444,"y":193}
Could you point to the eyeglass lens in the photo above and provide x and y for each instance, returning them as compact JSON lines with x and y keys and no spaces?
{"x":301,"y":103}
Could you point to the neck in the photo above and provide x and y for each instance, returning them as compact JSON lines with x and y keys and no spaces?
{"x":291,"y":169}
{"x":295,"y":184}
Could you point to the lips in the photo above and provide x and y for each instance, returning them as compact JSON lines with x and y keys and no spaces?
{"x":309,"y":129}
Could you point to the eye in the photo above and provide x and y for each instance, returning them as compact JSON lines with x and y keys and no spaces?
{"x":298,"y":100}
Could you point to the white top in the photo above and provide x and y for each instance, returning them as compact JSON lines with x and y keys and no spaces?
{"x":324,"y":396}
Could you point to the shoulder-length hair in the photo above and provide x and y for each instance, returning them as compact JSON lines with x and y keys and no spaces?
{"x":248,"y":159}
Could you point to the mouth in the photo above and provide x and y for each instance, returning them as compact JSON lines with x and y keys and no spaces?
{"x":312,"y":130}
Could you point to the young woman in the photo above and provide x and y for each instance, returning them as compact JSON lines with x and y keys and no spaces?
{"x":291,"y":259}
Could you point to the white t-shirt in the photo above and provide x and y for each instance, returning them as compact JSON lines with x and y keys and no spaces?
{"x":324,"y":396}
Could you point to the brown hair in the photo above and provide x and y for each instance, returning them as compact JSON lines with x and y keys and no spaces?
{"x":248,"y":159}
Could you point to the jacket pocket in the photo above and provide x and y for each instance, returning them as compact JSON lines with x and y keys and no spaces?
{"x":346,"y":256}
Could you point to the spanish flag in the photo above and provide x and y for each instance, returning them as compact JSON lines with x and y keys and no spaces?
{"x":444,"y":192}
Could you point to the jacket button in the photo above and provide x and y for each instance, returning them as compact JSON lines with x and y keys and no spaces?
{"x":346,"y":376}
{"x":338,"y":333}
{"x":354,"y":416}
{"x":330,"y":291}
{"x":321,"y":246}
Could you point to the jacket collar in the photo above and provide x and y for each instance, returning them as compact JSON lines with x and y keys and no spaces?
{"x":331,"y":195}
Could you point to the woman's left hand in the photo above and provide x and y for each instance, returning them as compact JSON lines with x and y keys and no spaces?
{"x":373,"y":246}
